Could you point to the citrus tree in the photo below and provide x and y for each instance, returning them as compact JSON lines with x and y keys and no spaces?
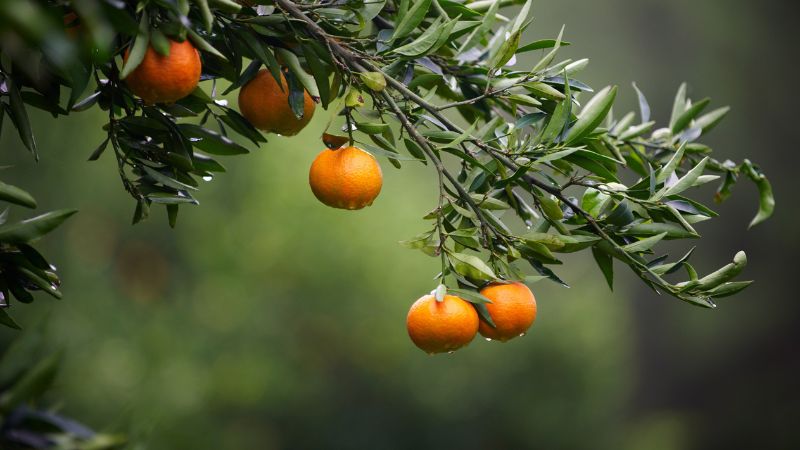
{"x":530,"y":161}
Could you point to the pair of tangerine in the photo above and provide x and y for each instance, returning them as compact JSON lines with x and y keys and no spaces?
{"x":347,"y":178}
{"x":447,"y":325}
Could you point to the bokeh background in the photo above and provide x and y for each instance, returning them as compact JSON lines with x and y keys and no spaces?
{"x":267,"y":321}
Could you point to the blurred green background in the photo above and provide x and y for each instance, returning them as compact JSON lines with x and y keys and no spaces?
{"x":268,"y":321}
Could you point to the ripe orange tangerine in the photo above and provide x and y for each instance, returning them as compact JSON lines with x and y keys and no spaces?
{"x":346,"y":178}
{"x":265,"y":104}
{"x":166,"y":79}
{"x":438,"y":327}
{"x":513,"y":310}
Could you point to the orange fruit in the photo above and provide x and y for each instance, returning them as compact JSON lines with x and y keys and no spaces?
{"x":266,"y":105}
{"x":166,"y":79}
{"x":437,"y":327}
{"x":513,"y":310}
{"x":346,"y":178}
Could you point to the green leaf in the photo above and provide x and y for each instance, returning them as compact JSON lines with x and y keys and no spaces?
{"x":34,"y":228}
{"x":766,"y":202}
{"x":159,"y":42}
{"x":372,"y":128}
{"x":684,"y":182}
{"x":555,"y":156}
{"x":708,"y":121}
{"x":548,"y":58}
{"x":165,"y":180}
{"x":560,"y":117}
{"x":424,"y":42}
{"x":307,"y":80}
{"x":539,"y":45}
{"x":674,"y":231}
{"x":594,"y":201}
{"x":20,"y":116}
{"x":506,"y":51}
{"x":486,"y":27}
{"x":412,"y":19}
{"x":205,"y":13}
{"x":644,"y":244}
{"x":679,"y":105}
{"x":576,"y":242}
{"x":321,"y":73}
{"x":467,"y":134}
{"x":210,"y":141}
{"x":470,"y":296}
{"x":685,"y":118}
{"x":728,"y":289}
{"x":489,"y":203}
{"x":544,"y":90}
{"x":139,"y":48}
{"x":592,"y":115}
{"x":13,"y":194}
{"x":40,"y":281}
{"x":670,"y":167}
{"x":471,"y":267}
{"x":606,"y":264}
{"x":550,"y":208}
{"x":644,"y":106}
{"x":7,"y":320}
{"x":484,"y":313}
{"x":636,"y":131}
{"x":522,"y":16}
{"x":203,"y":45}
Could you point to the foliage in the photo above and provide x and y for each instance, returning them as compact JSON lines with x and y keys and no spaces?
{"x":411,"y":81}
{"x":23,"y":269}
{"x":27,"y":371}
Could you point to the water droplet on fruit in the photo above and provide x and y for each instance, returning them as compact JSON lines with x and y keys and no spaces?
{"x":488,"y":339}
{"x":521,"y":334}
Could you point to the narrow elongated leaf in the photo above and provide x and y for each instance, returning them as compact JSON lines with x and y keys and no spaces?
{"x":210,"y":141}
{"x":470,"y":296}
{"x":424,"y":42}
{"x":686,"y":181}
{"x":592,"y":115}
{"x":668,"y":169}
{"x":165,"y":180}
{"x":766,"y":203}
{"x":7,"y":320}
{"x":471,"y":267}
{"x":685,"y":118}
{"x":139,"y":48}
{"x":34,"y":228}
{"x":505,"y":52}
{"x":539,"y":45}
{"x":13,"y":194}
{"x":644,"y":106}
{"x":728,"y":289}
{"x":19,"y":116}
{"x":606,"y":264}
{"x":411,"y":19}
{"x":679,"y":106}
{"x":645,"y":244}
{"x":290,"y":59}
{"x":708,"y":121}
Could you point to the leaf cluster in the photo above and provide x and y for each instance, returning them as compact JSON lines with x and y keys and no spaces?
{"x":531,"y":161}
